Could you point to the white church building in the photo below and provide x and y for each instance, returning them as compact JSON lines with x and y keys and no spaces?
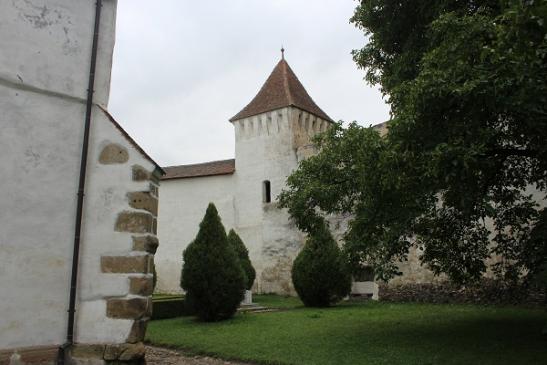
{"x":272,"y":134}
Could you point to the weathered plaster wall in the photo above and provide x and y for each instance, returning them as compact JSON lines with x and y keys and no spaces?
{"x":181,"y":208}
{"x":56,"y":35}
{"x":44,"y":67}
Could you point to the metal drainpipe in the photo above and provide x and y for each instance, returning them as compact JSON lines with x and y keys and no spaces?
{"x":81,"y":187}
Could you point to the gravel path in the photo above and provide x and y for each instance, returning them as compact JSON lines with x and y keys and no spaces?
{"x":163,"y":356}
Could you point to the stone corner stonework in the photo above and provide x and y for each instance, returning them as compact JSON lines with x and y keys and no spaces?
{"x":143,"y":200}
{"x":146,"y":243}
{"x":124,"y":353}
{"x":134,"y":222}
{"x":132,"y":308}
{"x":113,"y":154}
{"x":139,"y":173}
{"x":141,"y":264}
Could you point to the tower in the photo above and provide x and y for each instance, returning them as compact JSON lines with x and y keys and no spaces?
{"x":272,"y":134}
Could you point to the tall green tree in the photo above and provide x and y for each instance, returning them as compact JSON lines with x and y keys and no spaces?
{"x":211,"y":274}
{"x":244,"y":260}
{"x":320,"y":272}
{"x":467,"y":85}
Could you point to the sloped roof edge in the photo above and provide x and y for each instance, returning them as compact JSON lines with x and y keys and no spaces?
{"x":281,"y":89}
{"x":130,"y":139}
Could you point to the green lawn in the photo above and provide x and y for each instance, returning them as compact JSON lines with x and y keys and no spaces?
{"x":369,"y":333}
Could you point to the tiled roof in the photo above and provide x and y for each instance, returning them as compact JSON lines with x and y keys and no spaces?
{"x":281,"y":89}
{"x":223,"y":167}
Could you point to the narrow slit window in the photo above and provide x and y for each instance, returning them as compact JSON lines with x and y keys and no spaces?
{"x":266,"y":192}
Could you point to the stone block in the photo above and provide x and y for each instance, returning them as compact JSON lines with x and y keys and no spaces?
{"x":134,"y":222}
{"x":154,"y":190}
{"x":140,"y":173}
{"x":132,"y":352}
{"x":141,"y":285}
{"x":145,"y":243}
{"x":86,"y":351}
{"x":133,"y":308}
{"x":126,"y":264}
{"x":138,"y":330}
{"x":143,"y":200}
{"x":155,"y":226}
{"x":113,"y":154}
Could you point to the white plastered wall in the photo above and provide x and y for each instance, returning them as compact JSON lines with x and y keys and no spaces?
{"x":44,"y":65}
{"x":182,"y":205}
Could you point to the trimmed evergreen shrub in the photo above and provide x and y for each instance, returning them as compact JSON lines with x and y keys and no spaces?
{"x":211,"y":274}
{"x":320,"y":273}
{"x":243,"y":254}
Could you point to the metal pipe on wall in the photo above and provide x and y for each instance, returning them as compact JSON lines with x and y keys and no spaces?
{"x":81,"y":190}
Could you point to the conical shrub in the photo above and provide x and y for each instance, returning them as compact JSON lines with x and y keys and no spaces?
{"x":320,"y":274}
{"x":211,"y":274}
{"x":243,"y":255}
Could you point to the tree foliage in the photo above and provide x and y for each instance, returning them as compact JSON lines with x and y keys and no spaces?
{"x":467,"y":85}
{"x":243,"y":255}
{"x":320,"y":273}
{"x":211,"y":274}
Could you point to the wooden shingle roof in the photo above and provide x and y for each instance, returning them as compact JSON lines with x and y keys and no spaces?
{"x":281,"y":89}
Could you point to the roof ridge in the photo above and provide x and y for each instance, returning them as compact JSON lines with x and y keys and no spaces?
{"x":284,"y":64}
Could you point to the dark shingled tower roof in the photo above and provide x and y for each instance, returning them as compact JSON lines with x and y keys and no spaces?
{"x":281,"y":89}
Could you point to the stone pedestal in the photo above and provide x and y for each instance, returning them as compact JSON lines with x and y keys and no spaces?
{"x":365,"y":288}
{"x":248,"y":299}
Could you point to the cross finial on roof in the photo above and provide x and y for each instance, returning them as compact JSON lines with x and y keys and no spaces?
{"x":282,"y":53}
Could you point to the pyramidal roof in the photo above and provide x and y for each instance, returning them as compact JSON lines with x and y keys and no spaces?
{"x":281,"y":89}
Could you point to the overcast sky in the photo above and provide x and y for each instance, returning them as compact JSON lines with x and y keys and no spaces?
{"x":182,"y":68}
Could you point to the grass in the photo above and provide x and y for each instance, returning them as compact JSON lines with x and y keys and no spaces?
{"x":366,"y":333}
{"x":166,"y":296}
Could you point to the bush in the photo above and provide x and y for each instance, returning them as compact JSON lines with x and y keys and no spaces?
{"x":320,"y":274}
{"x":212,"y":275}
{"x":243,"y":254}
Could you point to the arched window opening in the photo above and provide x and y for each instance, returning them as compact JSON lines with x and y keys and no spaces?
{"x":266,"y":192}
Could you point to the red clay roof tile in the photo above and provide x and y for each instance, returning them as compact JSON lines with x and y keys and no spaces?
{"x":281,"y":89}
{"x":223,"y":167}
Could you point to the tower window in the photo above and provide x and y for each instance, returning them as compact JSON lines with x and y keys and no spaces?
{"x":266,"y":191}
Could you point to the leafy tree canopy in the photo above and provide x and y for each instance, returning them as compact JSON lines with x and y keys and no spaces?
{"x":467,"y":85}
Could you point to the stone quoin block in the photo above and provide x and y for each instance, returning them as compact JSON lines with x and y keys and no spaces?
{"x":87,"y":351}
{"x":141,"y":285}
{"x":134,"y":222}
{"x":145,"y":243}
{"x":140,"y":173}
{"x":155,"y":226}
{"x":133,"y":308}
{"x":127,"y":264}
{"x":154,"y":190}
{"x":143,"y":200}
{"x":132,"y":352}
{"x":138,"y":330}
{"x":113,"y":154}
